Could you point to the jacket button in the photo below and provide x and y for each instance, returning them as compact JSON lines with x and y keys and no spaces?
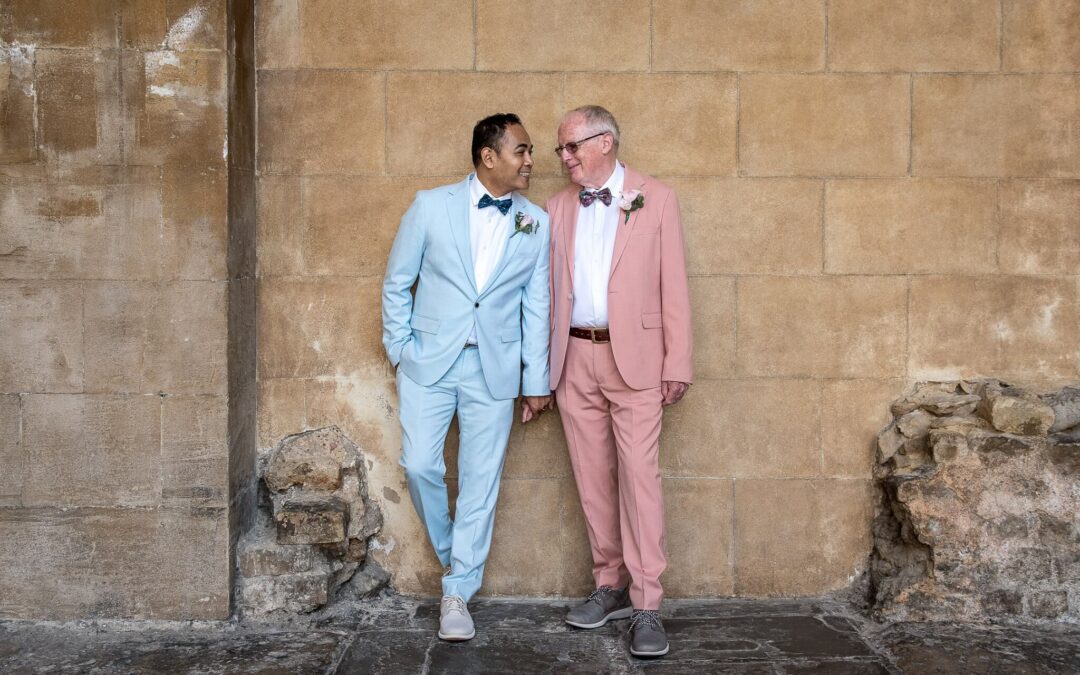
{"x":476,"y":305}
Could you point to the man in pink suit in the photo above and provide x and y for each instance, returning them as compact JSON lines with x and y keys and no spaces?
{"x":620,"y":351}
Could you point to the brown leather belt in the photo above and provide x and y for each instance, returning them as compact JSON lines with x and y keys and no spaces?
{"x":592,"y":334}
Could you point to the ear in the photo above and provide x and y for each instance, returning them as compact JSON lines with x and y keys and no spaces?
{"x":487,"y":157}
{"x":606,"y":144}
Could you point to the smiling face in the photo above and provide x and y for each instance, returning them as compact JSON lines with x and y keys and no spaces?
{"x":508,"y":169}
{"x":594,"y":160}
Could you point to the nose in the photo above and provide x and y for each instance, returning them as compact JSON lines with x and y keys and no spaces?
{"x":565,"y":155}
{"x":528,"y":158}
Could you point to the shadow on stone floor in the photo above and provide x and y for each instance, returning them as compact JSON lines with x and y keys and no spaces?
{"x":396,"y":635}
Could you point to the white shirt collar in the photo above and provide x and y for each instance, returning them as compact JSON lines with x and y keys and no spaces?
{"x":477,"y":190}
{"x":614,"y":181}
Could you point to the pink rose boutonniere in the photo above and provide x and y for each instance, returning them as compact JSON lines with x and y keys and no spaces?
{"x":523,"y":222}
{"x":630,"y":201}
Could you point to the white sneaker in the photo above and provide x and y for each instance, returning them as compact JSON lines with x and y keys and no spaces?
{"x":455,"y":624}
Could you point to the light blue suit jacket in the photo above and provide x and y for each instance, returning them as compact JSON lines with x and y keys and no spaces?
{"x":425,"y":334}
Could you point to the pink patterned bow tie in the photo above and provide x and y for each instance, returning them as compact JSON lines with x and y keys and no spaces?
{"x":587,"y":197}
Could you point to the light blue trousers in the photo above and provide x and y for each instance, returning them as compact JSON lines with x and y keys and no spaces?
{"x":484,"y":422}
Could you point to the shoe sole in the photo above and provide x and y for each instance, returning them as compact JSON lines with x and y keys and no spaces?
{"x":623,"y":613}
{"x":661,"y":653}
{"x":456,"y":638}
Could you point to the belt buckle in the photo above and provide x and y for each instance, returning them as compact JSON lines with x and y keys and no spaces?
{"x":592,"y":337}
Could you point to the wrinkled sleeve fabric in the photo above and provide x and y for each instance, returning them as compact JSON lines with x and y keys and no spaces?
{"x":402,"y":269}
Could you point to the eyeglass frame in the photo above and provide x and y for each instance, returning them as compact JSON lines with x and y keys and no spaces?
{"x":574,"y":146}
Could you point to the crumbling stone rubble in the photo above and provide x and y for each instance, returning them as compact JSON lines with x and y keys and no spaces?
{"x":311,"y":536}
{"x":979,"y":515}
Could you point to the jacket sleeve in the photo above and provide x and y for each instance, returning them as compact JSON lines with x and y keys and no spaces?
{"x":402,"y":269}
{"x":535,"y":319}
{"x":675,"y":296}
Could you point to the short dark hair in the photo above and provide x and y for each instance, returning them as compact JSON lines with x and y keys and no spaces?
{"x":488,"y":133}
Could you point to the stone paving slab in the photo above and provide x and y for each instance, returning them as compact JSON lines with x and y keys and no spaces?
{"x":396,"y":635}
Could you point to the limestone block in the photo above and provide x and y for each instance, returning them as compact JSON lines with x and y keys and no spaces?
{"x":294,"y":593}
{"x":280,"y":223}
{"x":195,"y":483}
{"x":982,"y":125}
{"x":852,"y":413}
{"x":1041,"y":35}
{"x":948,"y":444}
{"x":1049,"y":605}
{"x":185,"y":104}
{"x":196,"y":24}
{"x":78,"y":112}
{"x":349,"y":224}
{"x":364,"y":407}
{"x":110,"y":563}
{"x":707,"y":434}
{"x":92,"y":450}
{"x":529,"y":521}
{"x":17,"y":97}
{"x":704,"y":104}
{"x":94,"y":224}
{"x":193,"y":216}
{"x":313,"y":121}
{"x":713,"y":315}
{"x":750,"y":225}
{"x":1040,"y":227}
{"x":281,"y":410}
{"x":1019,"y":413}
{"x":259,"y":558}
{"x":917,"y":35}
{"x":319,"y":327}
{"x":46,"y":353}
{"x":310,"y":522}
{"x":312,"y":461}
{"x":940,"y":398}
{"x":1066,"y":407}
{"x":617,"y":34}
{"x":795,"y":537}
{"x":832,"y":125}
{"x":12,"y":455}
{"x":194,"y":449}
{"x":119,"y":321}
{"x":700,"y":517}
{"x":430,"y":117}
{"x":83,"y":23}
{"x":823,"y":327}
{"x":915,"y":423}
{"x":366,"y":35}
{"x":538,"y":449}
{"x":1011,"y":327}
{"x":910,"y":226}
{"x":731,"y":35}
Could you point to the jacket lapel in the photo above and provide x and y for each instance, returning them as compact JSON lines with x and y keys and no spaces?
{"x":632,"y":180}
{"x":457,"y":209}
{"x":512,"y":245}
{"x":570,"y":205}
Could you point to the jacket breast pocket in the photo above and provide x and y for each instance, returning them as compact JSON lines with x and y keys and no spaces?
{"x":424,"y":324}
{"x":652,"y":320}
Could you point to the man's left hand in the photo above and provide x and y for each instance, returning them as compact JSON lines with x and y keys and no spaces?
{"x":673,"y":391}
{"x":534,"y":405}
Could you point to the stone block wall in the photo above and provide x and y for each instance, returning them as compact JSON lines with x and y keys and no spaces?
{"x":874,"y":193}
{"x":114,"y":295}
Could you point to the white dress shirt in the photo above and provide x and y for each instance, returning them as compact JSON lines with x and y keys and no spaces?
{"x":594,"y":244}
{"x":489,"y":231}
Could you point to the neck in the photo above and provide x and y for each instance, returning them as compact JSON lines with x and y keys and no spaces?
{"x":596,"y":183}
{"x":496,"y":193}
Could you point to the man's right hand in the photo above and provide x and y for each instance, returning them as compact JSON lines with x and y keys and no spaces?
{"x":533,"y":406}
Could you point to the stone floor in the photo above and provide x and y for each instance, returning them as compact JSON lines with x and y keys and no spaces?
{"x":396,"y":635}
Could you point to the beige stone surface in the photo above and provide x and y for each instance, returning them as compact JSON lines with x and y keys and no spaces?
{"x":280,"y":226}
{"x":699,"y":516}
{"x":317,"y":327}
{"x":731,"y":35}
{"x":995,"y":125}
{"x":194,"y":451}
{"x":702,"y":143}
{"x":538,"y":449}
{"x":916,"y":35}
{"x":832,"y":125}
{"x":1040,"y":227}
{"x":825,"y":327}
{"x":313,"y":121}
{"x":712,"y":302}
{"x":12,"y":455}
{"x":365,"y":407}
{"x":195,"y":24}
{"x":528,"y":528}
{"x":73,"y":100}
{"x":430,"y":117}
{"x":852,"y":414}
{"x":83,"y":23}
{"x":910,"y":226}
{"x":1012,"y":327}
{"x":281,"y":410}
{"x":744,"y":428}
{"x":611,"y":35}
{"x":91,"y":550}
{"x":751,"y":225}
{"x":193,"y":217}
{"x":800,"y":537}
{"x":185,"y":106}
{"x":17,"y":95}
{"x":45,"y":354}
{"x":1040,"y":35}
{"x":372,"y":34}
{"x":92,"y":450}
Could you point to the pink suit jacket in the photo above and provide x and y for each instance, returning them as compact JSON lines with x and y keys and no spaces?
{"x":648,"y":292}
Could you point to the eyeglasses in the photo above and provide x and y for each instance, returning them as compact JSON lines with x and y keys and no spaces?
{"x":573,"y":146}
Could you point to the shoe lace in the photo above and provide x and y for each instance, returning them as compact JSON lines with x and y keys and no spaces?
{"x":598,"y":594}
{"x":454,"y":604}
{"x":647,"y":617}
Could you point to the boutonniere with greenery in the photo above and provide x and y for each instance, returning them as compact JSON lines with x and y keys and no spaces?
{"x":523,"y":222}
{"x":630,"y":201}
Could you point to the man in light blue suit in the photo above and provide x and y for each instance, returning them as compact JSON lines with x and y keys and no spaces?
{"x":472,"y":337}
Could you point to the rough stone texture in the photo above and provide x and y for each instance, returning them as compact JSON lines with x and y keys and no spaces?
{"x":1040,"y":35}
{"x":978,"y":510}
{"x":1040,"y":227}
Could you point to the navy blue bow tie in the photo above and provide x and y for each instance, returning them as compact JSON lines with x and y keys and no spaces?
{"x":587,"y":197}
{"x":502,"y":204}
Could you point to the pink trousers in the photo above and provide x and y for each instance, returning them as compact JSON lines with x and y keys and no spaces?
{"x":613,"y":433}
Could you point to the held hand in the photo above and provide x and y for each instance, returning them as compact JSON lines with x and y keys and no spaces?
{"x":534,"y":405}
{"x":673,"y":391}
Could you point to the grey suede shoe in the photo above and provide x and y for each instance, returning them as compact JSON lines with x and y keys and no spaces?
{"x":455,"y":623}
{"x":603,"y":604}
{"x":647,"y":636}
